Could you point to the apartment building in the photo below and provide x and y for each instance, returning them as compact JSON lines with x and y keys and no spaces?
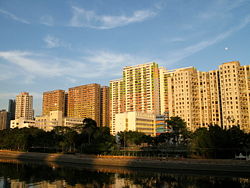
{"x":53,"y":101}
{"x":137,"y":91}
{"x":183,"y":95}
{"x":84,"y":102}
{"x":234,"y":85}
{"x":219,"y":97}
{"x":24,"y":106}
{"x":142,"y":88}
{"x":117,"y":101}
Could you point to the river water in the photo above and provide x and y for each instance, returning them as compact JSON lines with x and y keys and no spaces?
{"x":23,"y":175}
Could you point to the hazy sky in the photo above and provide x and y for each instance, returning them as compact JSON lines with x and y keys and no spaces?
{"x":55,"y":44}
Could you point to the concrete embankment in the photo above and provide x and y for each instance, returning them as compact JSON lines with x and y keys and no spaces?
{"x":134,"y":162}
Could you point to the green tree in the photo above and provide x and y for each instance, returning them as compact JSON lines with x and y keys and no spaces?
{"x":130,"y":138}
{"x":89,"y":126}
{"x":67,"y":138}
{"x":201,"y":143}
{"x":216,"y":142}
{"x":179,"y":134}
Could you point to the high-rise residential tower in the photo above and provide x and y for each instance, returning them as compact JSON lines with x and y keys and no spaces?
{"x":53,"y":101}
{"x":218,"y":97}
{"x":117,"y":101}
{"x":24,"y":106}
{"x":235,"y":94}
{"x":142,"y":88}
{"x":183,"y":95}
{"x":84,"y":102}
{"x":137,"y":91}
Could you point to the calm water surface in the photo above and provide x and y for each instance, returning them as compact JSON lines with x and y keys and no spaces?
{"x":22,"y":175}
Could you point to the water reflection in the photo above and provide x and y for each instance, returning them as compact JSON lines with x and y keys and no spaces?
{"x":17,"y":175}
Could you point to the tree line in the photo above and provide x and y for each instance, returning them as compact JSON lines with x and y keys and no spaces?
{"x":211,"y":142}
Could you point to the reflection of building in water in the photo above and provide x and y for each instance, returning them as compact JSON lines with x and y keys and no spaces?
{"x":43,"y":184}
{"x":123,"y":182}
{"x":15,"y":183}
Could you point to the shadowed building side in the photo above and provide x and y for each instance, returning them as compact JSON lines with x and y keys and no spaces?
{"x":4,"y":120}
{"x":104,"y":106}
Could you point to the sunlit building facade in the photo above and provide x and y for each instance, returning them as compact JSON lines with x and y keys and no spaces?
{"x":136,"y":121}
{"x":84,"y":102}
{"x":24,"y":106}
{"x":137,"y":91}
{"x":235,"y":94}
{"x":53,"y":101}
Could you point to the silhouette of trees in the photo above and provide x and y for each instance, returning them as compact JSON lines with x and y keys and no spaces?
{"x":216,"y":142}
{"x":86,"y":138}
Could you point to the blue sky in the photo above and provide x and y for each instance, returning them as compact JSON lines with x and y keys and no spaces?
{"x":47,"y":45}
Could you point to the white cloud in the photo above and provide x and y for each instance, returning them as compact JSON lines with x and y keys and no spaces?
{"x":110,"y":63}
{"x":53,"y":42}
{"x":192,"y":49}
{"x":47,"y":20}
{"x":31,"y":63}
{"x":94,"y":64}
{"x":220,"y":8}
{"x":86,"y":18}
{"x":14,"y":17}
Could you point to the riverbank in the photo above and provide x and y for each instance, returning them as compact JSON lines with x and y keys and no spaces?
{"x":202,"y":165}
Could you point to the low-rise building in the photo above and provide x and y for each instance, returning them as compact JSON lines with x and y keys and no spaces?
{"x":135,"y":121}
{"x":48,"y":122}
{"x":21,"y":123}
{"x":71,"y":122}
{"x":54,"y":119}
{"x":161,"y":125}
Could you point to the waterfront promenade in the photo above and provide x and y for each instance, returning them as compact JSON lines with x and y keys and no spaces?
{"x":183,"y":164}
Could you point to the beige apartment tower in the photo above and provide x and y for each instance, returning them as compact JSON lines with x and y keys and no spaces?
{"x":53,"y":101}
{"x":84,"y":102}
{"x":220,"y":97}
{"x":183,"y":97}
{"x":235,"y":94}
{"x":24,"y":106}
